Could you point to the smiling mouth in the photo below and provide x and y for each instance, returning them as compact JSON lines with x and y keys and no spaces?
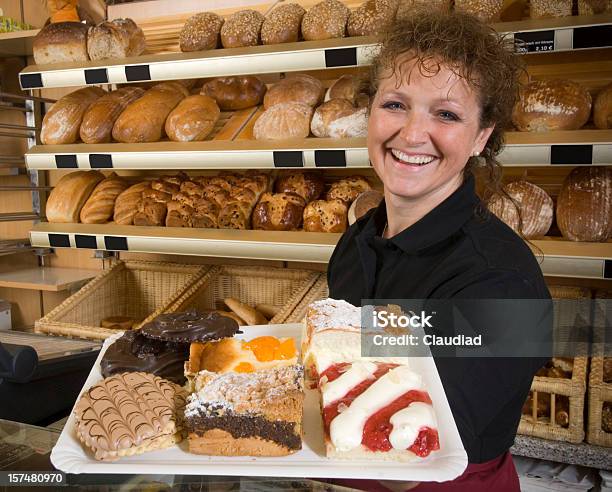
{"x":413,"y":160}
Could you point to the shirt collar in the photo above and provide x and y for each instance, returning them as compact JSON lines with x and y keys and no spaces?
{"x":440,"y":223}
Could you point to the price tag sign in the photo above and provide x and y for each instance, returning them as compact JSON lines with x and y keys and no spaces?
{"x":534,"y":42}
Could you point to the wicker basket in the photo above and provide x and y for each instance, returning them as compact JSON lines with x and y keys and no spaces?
{"x":319,"y":291}
{"x":280,"y":287}
{"x":138,"y":289}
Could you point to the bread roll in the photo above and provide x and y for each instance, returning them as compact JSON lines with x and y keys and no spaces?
{"x":233,"y":93}
{"x":541,"y":9}
{"x":193,"y":119}
{"x":535,"y":209}
{"x":371,"y":18}
{"x":235,"y":214}
{"x":70,"y":194}
{"x":179,"y":214}
{"x":98,"y":120}
{"x":346,"y":87}
{"x":242,"y":29}
{"x":98,"y":208}
{"x":325,"y":20}
{"x":302,"y":89}
{"x":126,"y":204}
{"x":364,"y":202}
{"x":485,"y":10}
{"x":62,"y":122}
{"x":282,"y":25}
{"x":406,"y":8}
{"x":201,"y":32}
{"x":143,"y":120}
{"x":118,"y":38}
{"x":61,"y":42}
{"x":325,"y":216}
{"x":546,"y":105}
{"x":348,"y":189}
{"x":602,"y":109}
{"x":206,"y":214}
{"x":584,"y":205}
{"x":309,"y":185}
{"x":593,"y":7}
{"x":290,"y":120}
{"x":150,"y":213}
{"x":279,"y":212}
{"x":338,"y":118}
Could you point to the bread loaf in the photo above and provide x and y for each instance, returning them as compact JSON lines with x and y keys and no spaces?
{"x":364,"y":202}
{"x":348,"y":189}
{"x":325,"y":216}
{"x":541,"y":9}
{"x":282,"y":25}
{"x":126,"y":204}
{"x":201,"y":32}
{"x":150,"y":213}
{"x":242,"y":29}
{"x":584,"y":205}
{"x":70,"y":194}
{"x":279,"y":212}
{"x":338,"y":118}
{"x":534,"y":214}
{"x":302,"y":89}
{"x":485,"y":10}
{"x":193,"y":119}
{"x":61,"y":42}
{"x":179,"y":214}
{"x":325,"y":20}
{"x":118,"y":38}
{"x":308,"y":185}
{"x":98,"y":120}
{"x":62,"y":122}
{"x":371,"y":18}
{"x":143,"y":120}
{"x":98,"y":208}
{"x":233,"y":93}
{"x":602,"y":109}
{"x":593,"y":7}
{"x":289,"y":120}
{"x":406,"y":8}
{"x":346,"y":87}
{"x":546,"y":105}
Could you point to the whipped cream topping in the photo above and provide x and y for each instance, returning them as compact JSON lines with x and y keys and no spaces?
{"x":359,"y":371}
{"x":408,"y":422}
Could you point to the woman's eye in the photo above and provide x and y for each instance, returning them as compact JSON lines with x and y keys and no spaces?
{"x":448,"y":116}
{"x":393,"y":105}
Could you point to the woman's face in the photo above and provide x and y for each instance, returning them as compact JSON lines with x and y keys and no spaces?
{"x":422,"y":131}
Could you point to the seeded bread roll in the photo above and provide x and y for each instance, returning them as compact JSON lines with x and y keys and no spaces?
{"x":348,"y":189}
{"x":279,"y":212}
{"x":325,"y":20}
{"x":405,"y":8}
{"x":201,"y":32}
{"x":602,"y":109}
{"x":281,"y":121}
{"x":338,"y":118}
{"x":485,"y":10}
{"x":193,"y":119}
{"x":541,"y":9}
{"x":98,"y":208}
{"x":308,"y":185}
{"x":61,"y":42}
{"x":371,"y":18}
{"x":242,"y":29}
{"x":325,"y":216}
{"x":593,"y":7}
{"x":233,"y":93}
{"x":70,"y":194}
{"x":282,"y":25}
{"x":546,"y":105}
{"x":302,"y":89}
{"x":118,"y":38}
{"x":126,"y":204}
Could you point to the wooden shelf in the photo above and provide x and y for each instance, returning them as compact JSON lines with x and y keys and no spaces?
{"x":18,"y":43}
{"x":46,"y":278}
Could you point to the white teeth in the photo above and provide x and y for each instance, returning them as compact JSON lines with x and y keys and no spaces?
{"x":412,"y":159}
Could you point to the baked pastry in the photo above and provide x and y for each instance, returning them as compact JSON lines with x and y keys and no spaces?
{"x":70,"y":194}
{"x":179,"y":214}
{"x":268,"y":310}
{"x":126,"y":204}
{"x":201,"y":32}
{"x":128,"y":414}
{"x":190,"y":326}
{"x":406,"y":8}
{"x":338,"y":118}
{"x":346,"y":87}
{"x":205,"y":214}
{"x":602,"y":109}
{"x":242,"y":29}
{"x":253,"y":414}
{"x":150,"y":212}
{"x":100,"y":117}
{"x":485,"y":10}
{"x":593,"y":7}
{"x":62,"y":122}
{"x":546,"y":105}
{"x":61,"y":42}
{"x":282,"y":25}
{"x":542,"y":9}
{"x":193,"y":119}
{"x":236,"y":211}
{"x":348,"y":189}
{"x":231,"y":315}
{"x":250,"y":315}
{"x":298,"y":88}
{"x":99,"y":207}
{"x":118,"y":322}
{"x":325,"y":20}
{"x":233,"y":93}
{"x":119,"y":38}
{"x":282,"y":121}
{"x":325,"y":216}
{"x":364,"y":202}
{"x":309,"y":185}
{"x":371,"y":18}
{"x":278,"y":212}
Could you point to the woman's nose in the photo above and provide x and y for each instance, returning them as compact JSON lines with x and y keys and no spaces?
{"x":414,"y":128}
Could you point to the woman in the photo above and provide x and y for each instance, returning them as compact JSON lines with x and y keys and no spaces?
{"x":444,"y":86}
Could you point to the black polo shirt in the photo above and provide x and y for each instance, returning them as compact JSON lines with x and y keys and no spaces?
{"x":457,"y":250}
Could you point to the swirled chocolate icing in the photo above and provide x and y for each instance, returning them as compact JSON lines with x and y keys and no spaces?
{"x":134,"y":352}
{"x":190,"y":326}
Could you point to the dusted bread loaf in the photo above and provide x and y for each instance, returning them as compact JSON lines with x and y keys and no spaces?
{"x":282,"y":25}
{"x":242,"y":29}
{"x":485,"y":10}
{"x":69,"y":195}
{"x":118,"y":38}
{"x":98,"y":120}
{"x":126,"y":204}
{"x":371,"y":18}
{"x":602,"y":109}
{"x":584,"y":205}
{"x":279,"y":212}
{"x":325,"y":216}
{"x":61,"y":42}
{"x":62,"y":123}
{"x":302,"y":89}
{"x":308,"y":185}
{"x":201,"y":32}
{"x":98,"y":208}
{"x":233,"y":93}
{"x":290,"y":120}
{"x":193,"y":119}
{"x":546,"y":105}
{"x":325,"y":20}
{"x":338,"y":118}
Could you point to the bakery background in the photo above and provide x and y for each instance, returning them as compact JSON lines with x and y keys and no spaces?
{"x":38,"y":277}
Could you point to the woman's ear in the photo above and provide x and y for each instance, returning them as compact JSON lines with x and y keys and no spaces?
{"x":482,"y":138}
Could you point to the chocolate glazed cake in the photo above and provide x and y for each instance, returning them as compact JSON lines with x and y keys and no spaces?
{"x":247,"y":414}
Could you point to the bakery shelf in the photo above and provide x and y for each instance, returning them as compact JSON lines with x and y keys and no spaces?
{"x":46,"y":278}
{"x":542,"y":35}
{"x":17,"y":43}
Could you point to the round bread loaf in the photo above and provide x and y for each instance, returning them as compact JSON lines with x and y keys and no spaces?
{"x":61,"y":42}
{"x":242,"y":29}
{"x":282,"y":25}
{"x":348,"y":189}
{"x":534,"y":206}
{"x":363,"y":203}
{"x":338,"y":118}
{"x":289,"y":120}
{"x":325,"y":216}
{"x":325,"y":20}
{"x":279,"y":212}
{"x":371,"y":18}
{"x":584,"y":205}
{"x":201,"y":32}
{"x":546,"y":105}
{"x":346,"y":87}
{"x":308,"y":185}
{"x":406,"y":8}
{"x":299,"y":88}
{"x":485,"y":10}
{"x":193,"y":119}
{"x":233,"y":93}
{"x":592,"y":7}
{"x":602,"y":109}
{"x":542,"y":9}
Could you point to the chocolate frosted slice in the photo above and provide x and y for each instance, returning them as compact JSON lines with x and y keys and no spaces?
{"x":190,"y":326}
{"x":134,"y":352}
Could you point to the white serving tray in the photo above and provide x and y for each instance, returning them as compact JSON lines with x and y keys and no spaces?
{"x":450,"y":461}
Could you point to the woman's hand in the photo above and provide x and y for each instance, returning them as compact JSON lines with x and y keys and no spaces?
{"x":398,"y":486}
